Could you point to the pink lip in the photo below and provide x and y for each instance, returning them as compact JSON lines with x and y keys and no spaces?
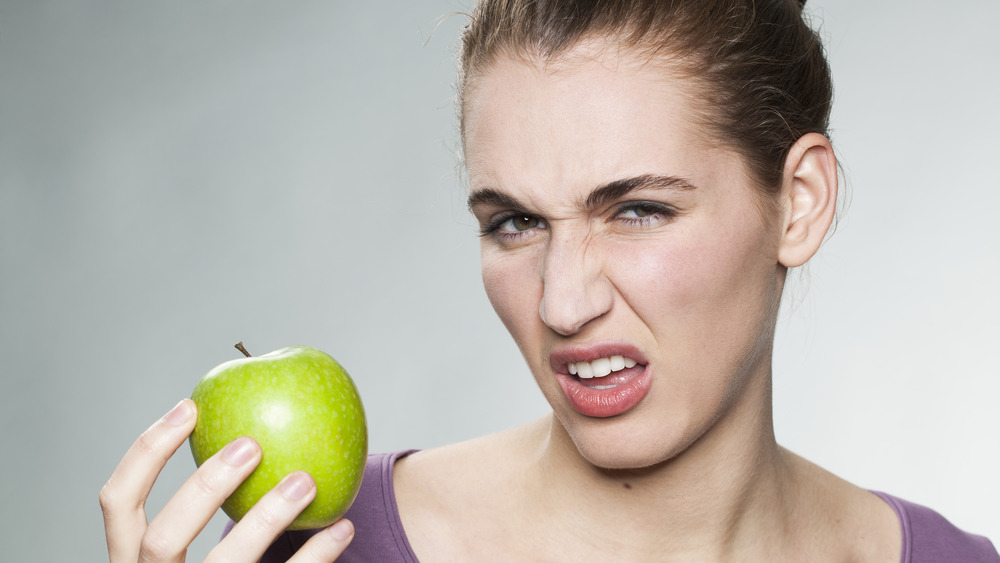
{"x":633,"y":383}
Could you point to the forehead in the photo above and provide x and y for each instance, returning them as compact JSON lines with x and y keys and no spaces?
{"x":592,"y":113}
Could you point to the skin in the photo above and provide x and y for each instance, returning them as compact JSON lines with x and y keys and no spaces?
{"x":690,"y":277}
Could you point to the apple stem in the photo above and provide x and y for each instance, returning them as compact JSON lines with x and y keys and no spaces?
{"x":239,"y":346}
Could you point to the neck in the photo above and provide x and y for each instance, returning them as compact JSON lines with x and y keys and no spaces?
{"x":724,"y":492}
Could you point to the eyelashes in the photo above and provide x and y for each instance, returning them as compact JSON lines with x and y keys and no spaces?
{"x":513,"y":225}
{"x":645,"y":213}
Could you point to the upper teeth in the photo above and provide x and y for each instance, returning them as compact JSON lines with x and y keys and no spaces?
{"x":600,"y":367}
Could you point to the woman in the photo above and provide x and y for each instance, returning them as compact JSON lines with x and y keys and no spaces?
{"x":644,"y":175}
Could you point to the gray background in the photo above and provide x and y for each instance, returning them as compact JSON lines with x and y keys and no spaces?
{"x":176,"y":176}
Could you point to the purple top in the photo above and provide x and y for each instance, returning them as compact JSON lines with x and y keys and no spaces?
{"x":928,"y":537}
{"x":379,"y":534}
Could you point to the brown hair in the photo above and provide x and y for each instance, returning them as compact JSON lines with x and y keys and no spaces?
{"x":762,"y":76}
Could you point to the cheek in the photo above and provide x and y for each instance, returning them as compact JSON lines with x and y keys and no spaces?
{"x":702,"y":275}
{"x":511,"y":284}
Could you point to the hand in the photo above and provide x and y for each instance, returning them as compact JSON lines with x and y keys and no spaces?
{"x":130,"y":538}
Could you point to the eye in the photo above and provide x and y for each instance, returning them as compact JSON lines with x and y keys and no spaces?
{"x":520,"y":223}
{"x":644,"y":213}
{"x":510,"y":227}
{"x":639,"y":210}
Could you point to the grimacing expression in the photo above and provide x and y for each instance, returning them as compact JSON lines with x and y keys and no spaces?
{"x":613,"y":227}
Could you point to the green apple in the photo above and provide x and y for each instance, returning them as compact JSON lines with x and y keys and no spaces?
{"x":305,"y":412}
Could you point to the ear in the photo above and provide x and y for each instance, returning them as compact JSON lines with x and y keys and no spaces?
{"x":809,"y":195}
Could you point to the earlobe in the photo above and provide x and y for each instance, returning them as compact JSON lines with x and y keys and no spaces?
{"x":809,"y":193}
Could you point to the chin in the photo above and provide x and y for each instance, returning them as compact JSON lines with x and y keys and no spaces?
{"x":610,"y":461}
{"x":618,"y":445}
{"x":620,"y":459}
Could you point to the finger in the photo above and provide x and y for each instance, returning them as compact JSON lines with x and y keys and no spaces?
{"x":124,"y":495}
{"x":327,"y":545}
{"x":255,"y":532}
{"x":186,"y":513}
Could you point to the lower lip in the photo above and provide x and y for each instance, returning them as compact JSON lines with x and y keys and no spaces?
{"x":604,"y":403}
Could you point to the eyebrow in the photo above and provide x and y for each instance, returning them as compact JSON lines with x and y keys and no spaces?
{"x":618,"y":189}
{"x":490,"y":196}
{"x":605,"y":193}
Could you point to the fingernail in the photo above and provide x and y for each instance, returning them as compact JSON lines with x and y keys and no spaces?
{"x":178,"y":415}
{"x":342,"y":530}
{"x":296,"y":485}
{"x":239,"y":451}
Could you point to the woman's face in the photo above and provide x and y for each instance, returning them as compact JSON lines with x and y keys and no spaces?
{"x":618,"y":238}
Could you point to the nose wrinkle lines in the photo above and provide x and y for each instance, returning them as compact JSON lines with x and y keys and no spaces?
{"x":575,"y":289}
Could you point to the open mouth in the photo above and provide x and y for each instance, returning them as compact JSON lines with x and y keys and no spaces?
{"x":605,"y":373}
{"x":600,"y":367}
{"x":602,"y":379}
{"x":601,"y":391}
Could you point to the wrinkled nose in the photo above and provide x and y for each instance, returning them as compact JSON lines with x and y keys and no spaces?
{"x":575,"y":289}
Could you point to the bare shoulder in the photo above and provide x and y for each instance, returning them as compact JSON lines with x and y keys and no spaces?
{"x":463,"y":464}
{"x":848,"y":520}
{"x":461,"y":492}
